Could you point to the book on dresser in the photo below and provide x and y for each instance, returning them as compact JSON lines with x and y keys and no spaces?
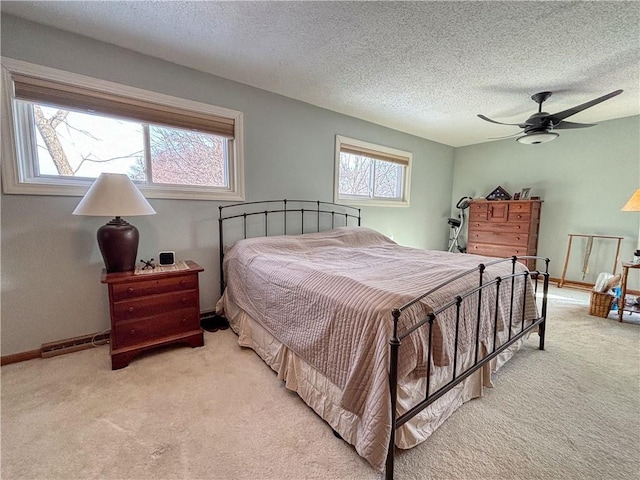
{"x":503,"y":228}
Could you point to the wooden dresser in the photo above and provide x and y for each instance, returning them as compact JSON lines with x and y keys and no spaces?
{"x":153,"y":309}
{"x":503,"y":228}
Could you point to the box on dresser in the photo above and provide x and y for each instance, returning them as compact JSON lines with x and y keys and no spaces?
{"x":503,"y":228}
{"x":153,"y":309}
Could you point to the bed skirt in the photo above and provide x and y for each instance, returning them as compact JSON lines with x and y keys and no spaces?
{"x":323,"y":396}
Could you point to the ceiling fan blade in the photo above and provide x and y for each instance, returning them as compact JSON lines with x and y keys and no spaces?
{"x":567,"y":125}
{"x":500,"y":123}
{"x":557,"y":117}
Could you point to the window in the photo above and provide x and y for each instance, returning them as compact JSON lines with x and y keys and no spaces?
{"x":66,"y":129}
{"x":369,"y":174}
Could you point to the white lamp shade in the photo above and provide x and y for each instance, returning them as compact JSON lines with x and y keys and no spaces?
{"x":113,"y":195}
{"x":536,"y":138}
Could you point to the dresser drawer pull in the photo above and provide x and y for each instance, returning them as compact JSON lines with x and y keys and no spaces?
{"x":129,"y":290}
{"x":133,"y":331}
{"x":131,"y":309}
{"x":184,"y":299}
{"x":183,"y":283}
{"x":184,"y":320}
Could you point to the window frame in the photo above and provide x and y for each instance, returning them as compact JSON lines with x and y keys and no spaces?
{"x":403,"y":157}
{"x":18,"y":179}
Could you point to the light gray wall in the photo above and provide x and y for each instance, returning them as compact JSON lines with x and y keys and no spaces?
{"x":584,"y":178}
{"x":51,"y":264}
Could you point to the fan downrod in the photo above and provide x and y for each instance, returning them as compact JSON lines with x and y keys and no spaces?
{"x":539,"y":98}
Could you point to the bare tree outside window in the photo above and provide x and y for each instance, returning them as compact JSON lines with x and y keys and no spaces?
{"x":355,"y":175}
{"x":180,"y":157}
{"x":75,"y":144}
{"x":366,"y":177}
{"x":371,"y":174}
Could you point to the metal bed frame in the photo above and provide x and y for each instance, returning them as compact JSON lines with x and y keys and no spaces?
{"x":344,"y":215}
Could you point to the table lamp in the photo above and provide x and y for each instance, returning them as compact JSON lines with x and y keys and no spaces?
{"x":114,"y":194}
{"x":633,"y":205}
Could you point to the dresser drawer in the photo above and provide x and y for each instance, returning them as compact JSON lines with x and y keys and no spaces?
{"x":519,"y":207}
{"x":500,"y":238}
{"x":519,"y":216}
{"x":136,"y":332}
{"x":154,"y":304}
{"x":151,"y":287}
{"x":499,"y":251}
{"x":514,"y":227}
{"x":478,"y":211}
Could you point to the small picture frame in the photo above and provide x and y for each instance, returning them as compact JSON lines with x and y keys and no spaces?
{"x":524,"y":194}
{"x":516,"y":196}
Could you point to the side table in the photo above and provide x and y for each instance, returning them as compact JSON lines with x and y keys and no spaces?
{"x":623,"y":291}
{"x":153,"y":309}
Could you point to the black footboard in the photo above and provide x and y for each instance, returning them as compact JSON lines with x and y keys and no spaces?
{"x":523,"y":327}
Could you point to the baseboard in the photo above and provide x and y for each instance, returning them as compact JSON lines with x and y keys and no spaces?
{"x":584,"y":285}
{"x":69,"y":345}
{"x":20,"y":357}
{"x":572,"y":284}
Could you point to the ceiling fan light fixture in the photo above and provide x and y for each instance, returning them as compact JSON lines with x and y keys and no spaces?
{"x":536,"y":138}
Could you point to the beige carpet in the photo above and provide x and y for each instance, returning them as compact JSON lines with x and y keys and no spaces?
{"x":218,"y":412}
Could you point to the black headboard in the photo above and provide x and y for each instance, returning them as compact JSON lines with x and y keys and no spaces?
{"x":281,"y":217}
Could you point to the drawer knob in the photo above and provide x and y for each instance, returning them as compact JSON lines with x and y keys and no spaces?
{"x":184,"y":299}
{"x":129,"y":290}
{"x":183,"y":283}
{"x":133,"y":331}
{"x":131,"y":309}
{"x":184,"y":320}
{"x":519,"y":216}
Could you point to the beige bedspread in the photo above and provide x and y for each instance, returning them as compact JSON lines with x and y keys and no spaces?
{"x":329,"y":296}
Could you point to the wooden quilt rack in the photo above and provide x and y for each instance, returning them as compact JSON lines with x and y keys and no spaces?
{"x":590,"y":239}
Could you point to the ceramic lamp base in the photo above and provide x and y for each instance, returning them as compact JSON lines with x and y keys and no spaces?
{"x":118,"y":242}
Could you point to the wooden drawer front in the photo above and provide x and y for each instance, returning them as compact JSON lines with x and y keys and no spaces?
{"x":519,"y":207}
{"x":478,"y":211}
{"x":495,"y":250}
{"x":152,"y":287}
{"x":519,"y":216}
{"x":136,"y":332}
{"x":515,"y":227}
{"x":478,"y":216}
{"x":154,"y":304}
{"x":500,"y":238}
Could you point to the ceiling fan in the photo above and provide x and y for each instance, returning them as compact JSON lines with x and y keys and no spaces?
{"x":538,"y":128}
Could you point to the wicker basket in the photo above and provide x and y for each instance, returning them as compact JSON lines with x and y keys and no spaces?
{"x":600,"y":304}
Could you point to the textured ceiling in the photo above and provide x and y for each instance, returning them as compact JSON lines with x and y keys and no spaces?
{"x":426,"y":68}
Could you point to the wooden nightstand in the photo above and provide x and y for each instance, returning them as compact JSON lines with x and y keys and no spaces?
{"x":623,"y":291}
{"x":153,"y":309}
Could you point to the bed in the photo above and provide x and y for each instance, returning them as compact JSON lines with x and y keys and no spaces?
{"x":383,"y":341}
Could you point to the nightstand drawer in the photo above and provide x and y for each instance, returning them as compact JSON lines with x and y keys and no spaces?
{"x":151,"y":287}
{"x":153,"y":304}
{"x":136,"y":332}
